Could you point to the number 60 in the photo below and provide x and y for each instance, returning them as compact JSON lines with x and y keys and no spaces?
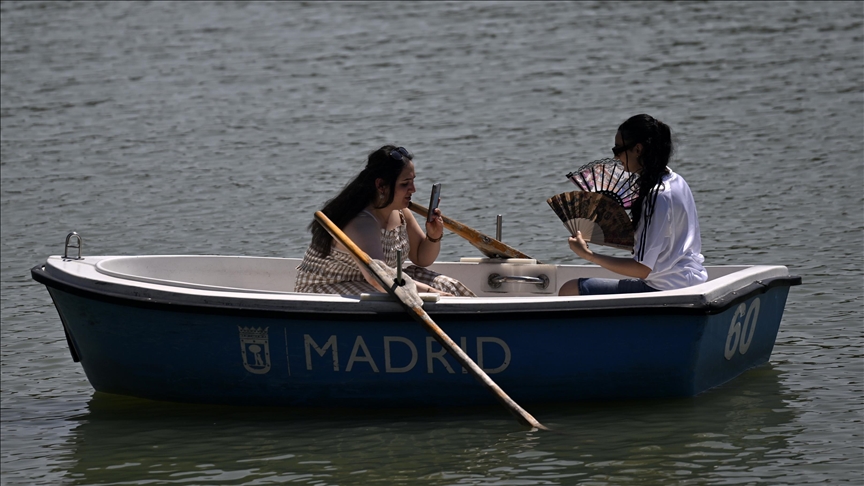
{"x":741,"y":335}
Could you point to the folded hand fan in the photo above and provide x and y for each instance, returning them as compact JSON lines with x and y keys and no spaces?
{"x":599,"y":209}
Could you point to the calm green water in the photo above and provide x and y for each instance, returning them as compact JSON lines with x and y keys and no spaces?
{"x":199,"y":127}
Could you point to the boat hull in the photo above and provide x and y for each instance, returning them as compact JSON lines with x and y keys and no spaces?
{"x":247,"y":355}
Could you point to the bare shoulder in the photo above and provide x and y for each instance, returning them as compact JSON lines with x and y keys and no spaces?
{"x":408,"y":215}
{"x":363,"y":223}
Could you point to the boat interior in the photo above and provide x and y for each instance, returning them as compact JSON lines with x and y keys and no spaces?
{"x":487,"y":277}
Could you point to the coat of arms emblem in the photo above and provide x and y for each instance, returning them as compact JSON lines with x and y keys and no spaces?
{"x":255,"y":349}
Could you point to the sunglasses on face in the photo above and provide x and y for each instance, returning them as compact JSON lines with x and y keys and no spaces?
{"x":620,"y":149}
{"x":401,"y":154}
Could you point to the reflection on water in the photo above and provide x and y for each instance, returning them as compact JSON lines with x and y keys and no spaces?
{"x":727,"y":432}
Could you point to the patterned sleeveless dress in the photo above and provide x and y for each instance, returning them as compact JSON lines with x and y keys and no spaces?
{"x":338,"y":274}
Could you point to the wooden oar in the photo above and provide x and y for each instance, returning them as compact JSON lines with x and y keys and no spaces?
{"x":414,"y":305}
{"x":486,"y":244}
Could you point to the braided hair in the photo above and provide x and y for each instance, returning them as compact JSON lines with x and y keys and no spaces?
{"x":358,"y":194}
{"x":656,"y":140}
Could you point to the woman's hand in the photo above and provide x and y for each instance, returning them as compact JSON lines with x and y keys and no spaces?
{"x":623,"y":266}
{"x":580,"y":247}
{"x":435,"y":228}
{"x":423,"y":252}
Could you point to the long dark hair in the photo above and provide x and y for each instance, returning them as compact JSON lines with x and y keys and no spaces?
{"x":656,"y":139}
{"x":358,"y":194}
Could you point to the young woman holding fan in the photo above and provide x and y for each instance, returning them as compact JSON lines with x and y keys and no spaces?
{"x":667,"y":253}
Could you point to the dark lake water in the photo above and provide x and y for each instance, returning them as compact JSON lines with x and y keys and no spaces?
{"x":201,"y":127}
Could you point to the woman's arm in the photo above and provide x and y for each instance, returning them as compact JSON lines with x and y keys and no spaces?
{"x":623,"y":266}
{"x":423,"y":252}
{"x":365,"y":232}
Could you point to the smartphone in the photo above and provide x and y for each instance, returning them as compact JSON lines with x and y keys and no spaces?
{"x":433,"y":201}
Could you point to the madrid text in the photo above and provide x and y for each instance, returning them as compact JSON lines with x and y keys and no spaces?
{"x":327,"y":353}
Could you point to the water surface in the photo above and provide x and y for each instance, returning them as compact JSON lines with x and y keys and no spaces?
{"x":219,"y":128}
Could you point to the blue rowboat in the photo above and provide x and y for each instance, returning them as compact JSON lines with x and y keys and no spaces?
{"x":229,"y":330}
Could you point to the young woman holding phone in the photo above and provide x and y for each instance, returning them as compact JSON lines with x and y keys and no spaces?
{"x":372,"y":211}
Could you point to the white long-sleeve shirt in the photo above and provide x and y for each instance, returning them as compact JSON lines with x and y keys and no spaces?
{"x":673,"y":244}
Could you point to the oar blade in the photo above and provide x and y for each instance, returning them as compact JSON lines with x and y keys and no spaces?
{"x":487,"y":245}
